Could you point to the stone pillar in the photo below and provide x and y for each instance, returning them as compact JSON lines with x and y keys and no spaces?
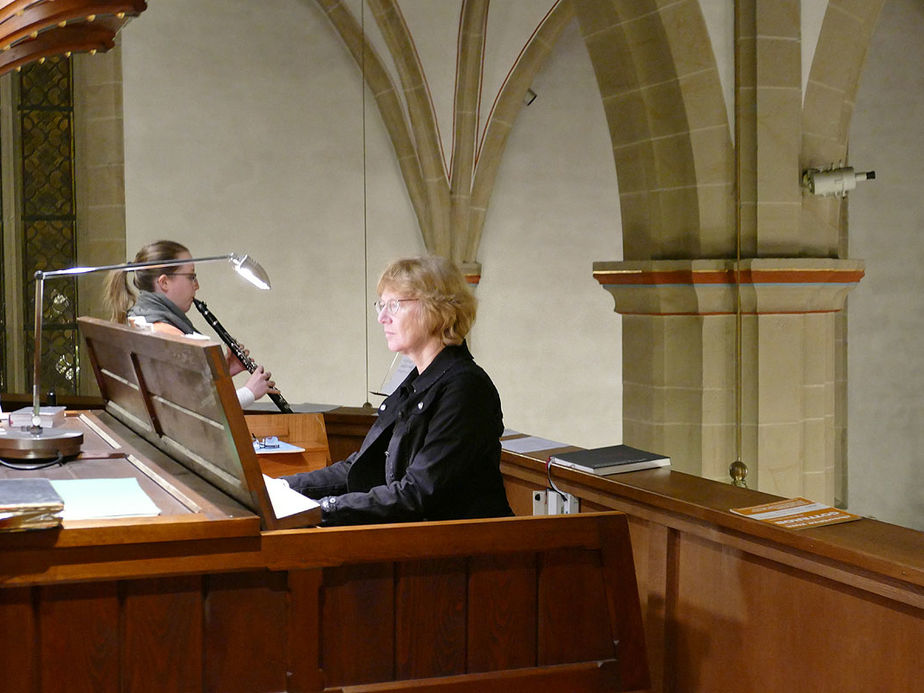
{"x":100,"y":179}
{"x":680,"y":356}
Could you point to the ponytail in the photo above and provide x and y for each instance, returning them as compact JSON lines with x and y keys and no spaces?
{"x":119,"y":298}
{"x":121,"y":295}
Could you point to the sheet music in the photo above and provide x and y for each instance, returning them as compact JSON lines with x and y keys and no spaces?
{"x":285,"y":500}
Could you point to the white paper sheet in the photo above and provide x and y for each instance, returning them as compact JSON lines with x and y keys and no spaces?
{"x":530,"y":444}
{"x":86,"y":499}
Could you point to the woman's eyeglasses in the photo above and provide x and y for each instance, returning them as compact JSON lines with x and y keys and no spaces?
{"x":392,"y":305}
{"x":191,"y":275}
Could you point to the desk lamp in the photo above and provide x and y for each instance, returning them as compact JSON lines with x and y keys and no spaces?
{"x":38,"y":442}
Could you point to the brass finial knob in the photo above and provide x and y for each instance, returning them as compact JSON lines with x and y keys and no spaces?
{"x":738,"y":471}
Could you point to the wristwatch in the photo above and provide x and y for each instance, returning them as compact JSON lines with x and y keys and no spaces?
{"x":328,"y":504}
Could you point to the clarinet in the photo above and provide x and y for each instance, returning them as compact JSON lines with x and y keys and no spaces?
{"x":236,"y":349}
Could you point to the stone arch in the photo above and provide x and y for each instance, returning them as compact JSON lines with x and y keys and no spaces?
{"x":450,"y":208}
{"x":666,"y":115}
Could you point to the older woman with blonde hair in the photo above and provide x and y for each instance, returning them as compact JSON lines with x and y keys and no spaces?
{"x":433,"y":453}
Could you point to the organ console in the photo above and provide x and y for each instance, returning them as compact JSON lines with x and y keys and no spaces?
{"x":237,"y":595}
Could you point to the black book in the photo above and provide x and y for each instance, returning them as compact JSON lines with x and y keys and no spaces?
{"x":612,"y":459}
{"x":29,"y":504}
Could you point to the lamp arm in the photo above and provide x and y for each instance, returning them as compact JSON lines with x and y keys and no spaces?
{"x":126,"y":266}
{"x":37,"y":356}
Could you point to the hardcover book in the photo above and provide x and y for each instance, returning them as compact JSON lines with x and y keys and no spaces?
{"x":611,"y":459}
{"x":29,"y":504}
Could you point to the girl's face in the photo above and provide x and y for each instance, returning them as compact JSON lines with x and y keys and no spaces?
{"x":180,"y":286}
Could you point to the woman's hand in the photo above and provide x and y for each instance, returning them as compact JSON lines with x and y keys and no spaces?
{"x":234,"y":363}
{"x":260,"y":383}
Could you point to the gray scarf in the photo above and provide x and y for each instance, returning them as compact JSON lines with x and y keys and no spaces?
{"x":158,"y":308}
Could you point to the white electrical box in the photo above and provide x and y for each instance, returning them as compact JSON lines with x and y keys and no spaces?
{"x":550,"y":502}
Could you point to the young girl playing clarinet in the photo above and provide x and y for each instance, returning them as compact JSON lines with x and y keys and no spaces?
{"x":161,"y":297}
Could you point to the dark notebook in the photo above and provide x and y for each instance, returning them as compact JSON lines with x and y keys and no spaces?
{"x":29,"y":504}
{"x":612,"y":459}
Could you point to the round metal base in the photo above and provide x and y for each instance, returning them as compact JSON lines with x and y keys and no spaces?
{"x":47,"y":444}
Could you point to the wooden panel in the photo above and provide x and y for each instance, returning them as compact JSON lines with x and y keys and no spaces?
{"x":502,"y":622}
{"x":162,"y":623}
{"x":179,"y":380}
{"x":430,"y":605}
{"x":304,"y":430}
{"x":346,"y":428}
{"x":79,"y":638}
{"x":655,"y":566}
{"x":625,"y":615}
{"x":571,"y":629}
{"x":285,"y":464}
{"x":246,"y":617}
{"x":129,"y":398}
{"x":207,"y":445}
{"x":167,"y":368}
{"x":18,"y":639}
{"x":520,"y":496}
{"x":750,"y":610}
{"x":358,"y":599}
{"x":390,"y":542}
{"x":304,"y":669}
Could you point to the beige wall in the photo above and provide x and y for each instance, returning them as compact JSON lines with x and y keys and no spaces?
{"x":885,"y":428}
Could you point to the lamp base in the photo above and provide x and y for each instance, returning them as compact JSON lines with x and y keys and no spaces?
{"x":46,"y":444}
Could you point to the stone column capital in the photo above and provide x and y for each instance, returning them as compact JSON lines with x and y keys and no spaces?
{"x":708,"y":287}
{"x":472,"y":272}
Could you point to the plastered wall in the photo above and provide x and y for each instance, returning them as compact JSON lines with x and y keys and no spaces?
{"x":885,"y":427}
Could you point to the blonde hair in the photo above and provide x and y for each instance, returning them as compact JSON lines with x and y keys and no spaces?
{"x":121,"y":293}
{"x":448,"y":305}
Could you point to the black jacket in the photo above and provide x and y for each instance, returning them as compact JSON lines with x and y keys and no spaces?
{"x":433,"y":453}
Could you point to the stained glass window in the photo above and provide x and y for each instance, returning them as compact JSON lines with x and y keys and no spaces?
{"x":49,"y":240}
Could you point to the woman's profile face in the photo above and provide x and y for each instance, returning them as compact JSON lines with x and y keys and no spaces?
{"x":180,"y":286}
{"x":402,"y":321}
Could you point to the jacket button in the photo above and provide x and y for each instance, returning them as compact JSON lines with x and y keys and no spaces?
{"x":420,"y":405}
{"x":382,"y":408}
